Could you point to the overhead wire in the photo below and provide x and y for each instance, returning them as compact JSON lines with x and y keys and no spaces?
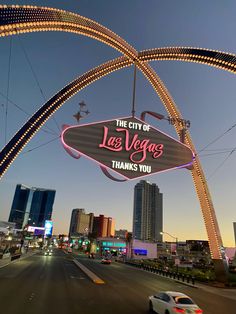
{"x":41,"y":145}
{"x":222,"y":163}
{"x":8,"y":87}
{"x":217,"y":138}
{"x":229,"y":151}
{"x":216,"y":153}
{"x":36,"y":78}
{"x":9,"y":101}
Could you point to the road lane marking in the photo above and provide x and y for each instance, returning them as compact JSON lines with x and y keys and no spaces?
{"x":89,"y":273}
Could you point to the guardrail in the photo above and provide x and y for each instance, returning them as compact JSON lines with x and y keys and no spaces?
{"x":165,"y":273}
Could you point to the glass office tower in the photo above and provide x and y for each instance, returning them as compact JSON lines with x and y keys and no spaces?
{"x":41,"y":206}
{"x":20,"y":205}
{"x":31,"y":206}
{"x":148,"y":212}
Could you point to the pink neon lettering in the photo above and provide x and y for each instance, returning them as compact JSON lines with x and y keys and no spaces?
{"x":114,"y":144}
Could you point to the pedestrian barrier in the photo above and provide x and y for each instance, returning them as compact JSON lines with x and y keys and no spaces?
{"x":15,"y":256}
{"x":165,"y":273}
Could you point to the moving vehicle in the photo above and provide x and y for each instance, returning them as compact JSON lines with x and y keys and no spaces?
{"x":171,"y":302}
{"x":106,"y":261}
{"x":48,"y":252}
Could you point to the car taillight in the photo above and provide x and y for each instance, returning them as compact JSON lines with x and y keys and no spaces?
{"x":178,"y":310}
{"x":198,"y":311}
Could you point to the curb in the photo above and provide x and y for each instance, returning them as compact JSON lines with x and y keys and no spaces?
{"x":89,"y":273}
{"x":184,"y":283}
{"x":18,"y":259}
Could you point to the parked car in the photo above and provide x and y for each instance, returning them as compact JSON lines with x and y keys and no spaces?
{"x":106,"y":261}
{"x":171,"y":302}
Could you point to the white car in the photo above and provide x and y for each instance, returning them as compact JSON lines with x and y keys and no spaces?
{"x":170,"y":302}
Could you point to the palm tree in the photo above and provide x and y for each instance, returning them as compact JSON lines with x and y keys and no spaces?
{"x":129,"y":244}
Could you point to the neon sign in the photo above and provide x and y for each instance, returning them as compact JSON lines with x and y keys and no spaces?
{"x":128,"y":146}
{"x":48,"y":228}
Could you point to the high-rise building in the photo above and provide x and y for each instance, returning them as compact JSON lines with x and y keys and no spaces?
{"x":104,"y":226}
{"x":148,"y":212}
{"x":234,"y":224}
{"x":41,"y":206}
{"x":20,"y":206}
{"x":80,"y":223}
{"x":31,"y":206}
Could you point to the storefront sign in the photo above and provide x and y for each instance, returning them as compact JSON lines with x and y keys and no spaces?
{"x":128,"y":146}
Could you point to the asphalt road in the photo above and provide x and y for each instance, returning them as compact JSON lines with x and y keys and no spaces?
{"x":54,"y":284}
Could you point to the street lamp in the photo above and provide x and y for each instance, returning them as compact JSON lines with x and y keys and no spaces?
{"x":175,"y":238}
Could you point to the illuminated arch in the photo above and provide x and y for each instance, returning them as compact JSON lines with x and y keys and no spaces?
{"x":23,"y":19}
{"x":214,"y":58}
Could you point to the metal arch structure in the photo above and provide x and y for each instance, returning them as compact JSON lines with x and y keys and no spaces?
{"x":214,"y":58}
{"x":23,"y":19}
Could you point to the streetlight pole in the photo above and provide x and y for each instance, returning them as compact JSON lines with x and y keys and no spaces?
{"x":176,"y":239}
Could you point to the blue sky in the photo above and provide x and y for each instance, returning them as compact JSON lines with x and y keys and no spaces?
{"x":204,"y":95}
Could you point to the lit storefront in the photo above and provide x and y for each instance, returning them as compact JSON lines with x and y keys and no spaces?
{"x":111,"y":246}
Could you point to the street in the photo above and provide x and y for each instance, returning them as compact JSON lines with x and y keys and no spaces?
{"x":54,"y":284}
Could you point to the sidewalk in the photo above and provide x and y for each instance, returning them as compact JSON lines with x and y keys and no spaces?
{"x":7,"y":261}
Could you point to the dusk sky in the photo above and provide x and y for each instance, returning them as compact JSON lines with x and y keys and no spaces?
{"x":40,"y":64}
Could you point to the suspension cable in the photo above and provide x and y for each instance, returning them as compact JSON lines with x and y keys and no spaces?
{"x":25,"y":112}
{"x":222,"y":163}
{"x":134,"y":91}
{"x":8,"y":87}
{"x":36,"y":79}
{"x":41,"y":145}
{"x":217,"y":138}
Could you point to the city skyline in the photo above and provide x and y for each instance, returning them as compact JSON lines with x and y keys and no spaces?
{"x":42,"y":63}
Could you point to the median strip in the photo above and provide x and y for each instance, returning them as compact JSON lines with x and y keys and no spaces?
{"x":89,"y":273}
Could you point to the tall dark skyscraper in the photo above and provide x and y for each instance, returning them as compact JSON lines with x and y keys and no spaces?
{"x":31,"y":206}
{"x":148,"y":212}
{"x":41,"y":206}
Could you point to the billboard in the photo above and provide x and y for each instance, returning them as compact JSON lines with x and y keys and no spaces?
{"x":48,"y":228}
{"x":36,"y":230}
{"x":128,"y":146}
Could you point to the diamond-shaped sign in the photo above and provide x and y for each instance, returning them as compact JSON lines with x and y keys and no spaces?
{"x":128,"y":146}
